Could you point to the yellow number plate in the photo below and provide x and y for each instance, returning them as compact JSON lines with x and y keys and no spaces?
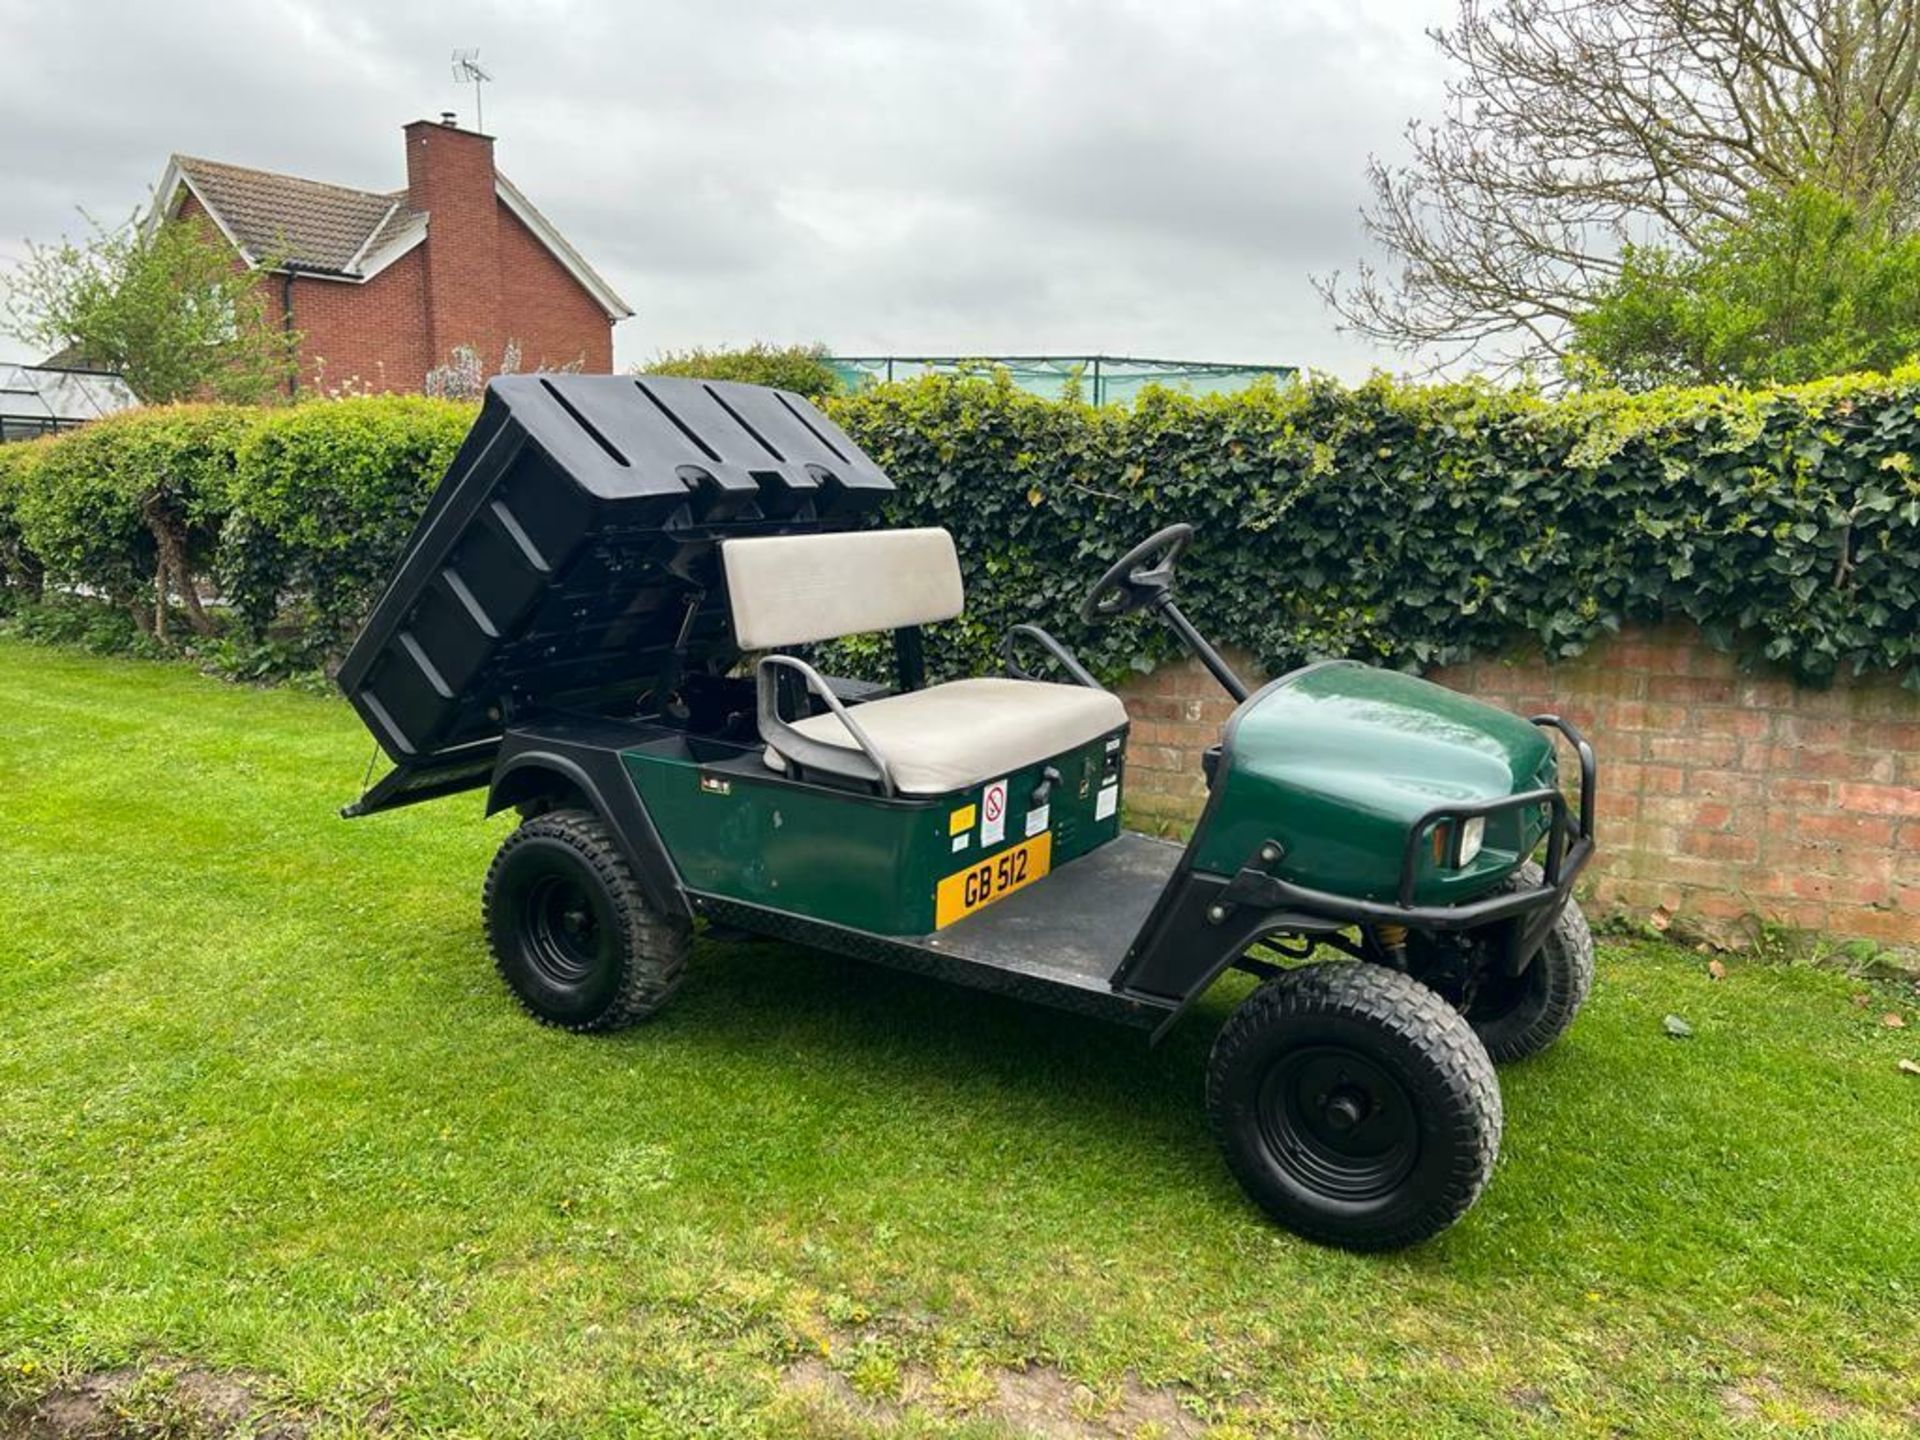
{"x":980,"y":884}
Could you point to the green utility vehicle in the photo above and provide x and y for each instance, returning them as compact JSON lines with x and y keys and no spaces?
{"x":604,"y":618}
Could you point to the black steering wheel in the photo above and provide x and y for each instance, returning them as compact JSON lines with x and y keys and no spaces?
{"x":1138,"y":578}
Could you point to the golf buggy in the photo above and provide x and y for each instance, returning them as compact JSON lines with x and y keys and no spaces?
{"x":604,"y":617}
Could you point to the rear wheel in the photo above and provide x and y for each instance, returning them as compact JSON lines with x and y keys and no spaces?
{"x":1354,"y":1106}
{"x":571,"y":931}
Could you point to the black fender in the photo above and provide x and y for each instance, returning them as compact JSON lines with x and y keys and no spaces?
{"x":537,"y":760}
{"x":1200,"y":935}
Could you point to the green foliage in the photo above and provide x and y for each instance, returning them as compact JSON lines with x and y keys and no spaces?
{"x":132,"y":505}
{"x":21,"y":570}
{"x":82,"y":622}
{"x":1407,"y":525}
{"x":323,"y":497}
{"x":1420,"y":525}
{"x":83,"y":504}
{"x":293,"y":514}
{"x":72,"y":516}
{"x":1808,"y":285}
{"x":803,"y":369}
{"x":166,"y":308}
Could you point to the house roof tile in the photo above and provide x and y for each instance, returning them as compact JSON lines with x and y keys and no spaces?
{"x":289,"y":223}
{"x":284,"y":220}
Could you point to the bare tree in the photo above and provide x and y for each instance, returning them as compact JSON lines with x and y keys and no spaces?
{"x":1576,"y":126}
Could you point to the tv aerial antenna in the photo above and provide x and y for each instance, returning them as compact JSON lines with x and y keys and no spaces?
{"x":466,"y":70}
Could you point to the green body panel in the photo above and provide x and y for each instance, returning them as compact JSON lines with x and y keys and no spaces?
{"x":1337,"y":761}
{"x":846,"y":858}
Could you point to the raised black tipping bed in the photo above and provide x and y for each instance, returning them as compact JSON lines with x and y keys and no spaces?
{"x":567,"y":559}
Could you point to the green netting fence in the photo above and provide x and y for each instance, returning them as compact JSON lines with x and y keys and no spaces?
{"x":1102,"y":379}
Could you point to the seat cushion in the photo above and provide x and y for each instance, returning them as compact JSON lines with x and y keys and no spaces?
{"x":967,"y":732}
{"x":795,"y":589}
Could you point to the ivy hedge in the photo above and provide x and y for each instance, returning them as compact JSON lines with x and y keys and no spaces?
{"x":1421,"y":525}
{"x":1407,"y":525}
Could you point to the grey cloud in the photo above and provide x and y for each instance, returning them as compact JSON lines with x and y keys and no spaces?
{"x":895,"y":175}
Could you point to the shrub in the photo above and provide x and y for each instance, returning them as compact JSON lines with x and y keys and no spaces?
{"x":21,"y":573}
{"x":295,"y":513}
{"x":323,"y":497}
{"x":86,"y":623}
{"x":1807,"y":284}
{"x":130,"y":506}
{"x":1420,"y":525}
{"x":803,"y":369}
{"x":1407,"y":525}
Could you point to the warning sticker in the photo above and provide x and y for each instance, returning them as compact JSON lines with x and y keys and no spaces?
{"x":993,"y":813}
{"x":961,"y":820}
{"x":1037,"y":818}
{"x":1106,"y":802}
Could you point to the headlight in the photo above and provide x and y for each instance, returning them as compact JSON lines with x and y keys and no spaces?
{"x":1472,"y":835}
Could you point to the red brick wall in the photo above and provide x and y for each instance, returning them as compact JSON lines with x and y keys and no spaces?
{"x":555,"y":322}
{"x":1177,"y":712}
{"x":370,"y":336}
{"x":1722,"y":796}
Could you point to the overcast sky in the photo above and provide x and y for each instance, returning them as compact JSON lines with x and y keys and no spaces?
{"x":971,"y":177}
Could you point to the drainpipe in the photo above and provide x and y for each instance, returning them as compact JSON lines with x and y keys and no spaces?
{"x":286,"y":325}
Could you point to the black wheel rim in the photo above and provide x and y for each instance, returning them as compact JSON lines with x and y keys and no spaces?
{"x":560,"y":932}
{"x":1337,"y":1124}
{"x":1497,"y":994}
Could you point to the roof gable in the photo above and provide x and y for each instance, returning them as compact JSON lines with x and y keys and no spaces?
{"x":570,"y":259}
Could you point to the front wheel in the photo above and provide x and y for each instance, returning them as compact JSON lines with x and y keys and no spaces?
{"x":571,"y":931}
{"x":1354,"y":1106}
{"x":1514,"y":1015}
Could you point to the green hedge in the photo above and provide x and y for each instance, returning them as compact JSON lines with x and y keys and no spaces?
{"x":324,"y":497}
{"x":1409,"y":525}
{"x":21,"y":572}
{"x":802,"y":369}
{"x":293,"y":514}
{"x":1420,"y":525}
{"x":99,"y":506}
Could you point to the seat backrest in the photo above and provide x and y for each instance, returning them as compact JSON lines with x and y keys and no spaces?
{"x":795,"y":589}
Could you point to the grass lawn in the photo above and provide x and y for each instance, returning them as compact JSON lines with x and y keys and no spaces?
{"x":264,"y":1109}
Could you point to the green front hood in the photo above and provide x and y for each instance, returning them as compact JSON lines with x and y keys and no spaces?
{"x":1337,"y":761}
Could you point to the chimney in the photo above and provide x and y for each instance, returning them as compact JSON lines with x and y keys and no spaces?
{"x":450,"y":177}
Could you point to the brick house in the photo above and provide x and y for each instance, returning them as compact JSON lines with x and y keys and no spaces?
{"x":383,"y":285}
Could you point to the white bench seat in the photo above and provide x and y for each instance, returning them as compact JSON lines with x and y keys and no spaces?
{"x":966,"y":732}
{"x":799,"y":589}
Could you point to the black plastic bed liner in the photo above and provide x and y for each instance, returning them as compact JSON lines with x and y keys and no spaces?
{"x":567,"y":559}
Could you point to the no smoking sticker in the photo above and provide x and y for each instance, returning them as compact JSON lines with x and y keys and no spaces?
{"x":993,"y":813}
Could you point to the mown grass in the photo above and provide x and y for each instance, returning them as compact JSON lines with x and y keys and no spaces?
{"x":263,"y":1106}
